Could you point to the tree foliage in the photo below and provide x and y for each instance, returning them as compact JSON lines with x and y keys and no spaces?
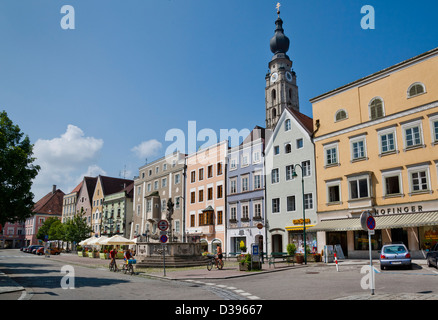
{"x":77,"y":229}
{"x":16,"y":172}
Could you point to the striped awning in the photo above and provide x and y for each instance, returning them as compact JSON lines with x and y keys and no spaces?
{"x":382,"y":222}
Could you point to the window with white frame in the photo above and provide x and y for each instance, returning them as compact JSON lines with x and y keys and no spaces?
{"x":300,"y":143}
{"x":290,"y":202}
{"x":233,"y":185}
{"x":256,"y":156}
{"x":257,"y":180}
{"x":289,"y":171}
{"x":376,"y":108}
{"x":434,"y":128}
{"x":387,"y":141}
{"x":359,"y":187}
{"x":177,"y":178}
{"x":331,"y":154}
{"x":245,"y":211}
{"x":276,"y":150}
{"x":307,"y":170}
{"x":275,"y":177}
{"x":413,"y":136}
{"x":245,"y":161}
{"x":416,"y":89}
{"x":392,"y":183}
{"x":257,"y":210}
{"x":419,"y":178}
{"x":233,"y":164}
{"x":233,"y":213}
{"x":308,"y":201}
{"x":287,"y":125}
{"x":245,"y":183}
{"x":333,"y":192}
{"x":276,"y":205}
{"x":340,"y":115}
{"x":358,"y":148}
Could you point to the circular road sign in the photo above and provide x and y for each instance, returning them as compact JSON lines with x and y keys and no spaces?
{"x":371,"y":223}
{"x":163,"y":225}
{"x":163,"y":238}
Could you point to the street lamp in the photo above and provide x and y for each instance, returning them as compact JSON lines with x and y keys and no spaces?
{"x":294,"y":174}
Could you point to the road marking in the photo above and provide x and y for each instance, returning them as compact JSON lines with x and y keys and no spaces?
{"x":239,"y":291}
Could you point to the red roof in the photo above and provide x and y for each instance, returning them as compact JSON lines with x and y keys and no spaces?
{"x":51,"y":203}
{"x":306,"y":121}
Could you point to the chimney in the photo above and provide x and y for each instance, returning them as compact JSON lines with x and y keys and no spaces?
{"x":54,"y":189}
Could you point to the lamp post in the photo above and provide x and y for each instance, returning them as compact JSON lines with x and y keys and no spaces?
{"x":294,"y":174}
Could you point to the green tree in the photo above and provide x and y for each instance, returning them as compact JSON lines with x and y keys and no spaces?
{"x":47,"y":229}
{"x":16,"y":172}
{"x":77,"y":229}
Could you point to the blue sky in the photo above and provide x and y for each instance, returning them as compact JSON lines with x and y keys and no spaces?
{"x":100,"y":98}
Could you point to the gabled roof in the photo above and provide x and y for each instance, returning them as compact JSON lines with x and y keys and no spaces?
{"x":51,"y":203}
{"x":305,"y":121}
{"x":78,"y":187}
{"x":112,"y":185}
{"x":90,"y":182}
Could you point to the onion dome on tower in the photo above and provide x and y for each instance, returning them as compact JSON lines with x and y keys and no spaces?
{"x":279,"y":42}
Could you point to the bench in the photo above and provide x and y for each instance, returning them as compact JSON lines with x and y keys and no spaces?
{"x":278,"y":257}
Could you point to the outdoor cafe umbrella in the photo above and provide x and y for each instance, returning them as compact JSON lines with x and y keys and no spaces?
{"x":97,"y":241}
{"x":116,"y":240}
{"x":86,"y":241}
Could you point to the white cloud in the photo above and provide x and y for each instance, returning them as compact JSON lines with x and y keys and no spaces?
{"x":147,"y":149}
{"x":62,"y":159}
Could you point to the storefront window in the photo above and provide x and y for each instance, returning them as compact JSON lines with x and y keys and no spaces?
{"x":428,"y":237}
{"x":361,"y":240}
{"x":296,"y":237}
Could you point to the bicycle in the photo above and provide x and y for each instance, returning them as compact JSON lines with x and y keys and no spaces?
{"x":215,"y":261}
{"x":113,"y":266}
{"x":128,"y":266}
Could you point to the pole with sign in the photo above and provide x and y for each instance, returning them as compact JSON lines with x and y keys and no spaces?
{"x":369,"y":224}
{"x":163,"y":225}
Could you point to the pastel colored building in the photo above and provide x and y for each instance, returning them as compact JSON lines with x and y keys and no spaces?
{"x":205,"y":196}
{"x":69,"y":203}
{"x":377,"y":150}
{"x":85,"y":198}
{"x":246,"y":193}
{"x":48,"y":206}
{"x":12,"y":235}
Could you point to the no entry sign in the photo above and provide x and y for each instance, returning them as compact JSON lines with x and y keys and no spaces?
{"x":371,"y":223}
{"x":163,"y":238}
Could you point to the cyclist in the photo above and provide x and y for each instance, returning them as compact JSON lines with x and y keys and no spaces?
{"x":113,"y":254}
{"x":219,"y":255}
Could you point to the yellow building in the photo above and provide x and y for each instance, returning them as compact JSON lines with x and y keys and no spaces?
{"x":376,"y":149}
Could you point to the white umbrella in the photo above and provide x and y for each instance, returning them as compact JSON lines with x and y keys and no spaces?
{"x":97,"y":241}
{"x":116,"y":240}
{"x":86,"y":241}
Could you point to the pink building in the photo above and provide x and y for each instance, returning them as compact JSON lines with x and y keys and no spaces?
{"x":205,"y":196}
{"x":12,"y":235}
{"x":48,"y":206}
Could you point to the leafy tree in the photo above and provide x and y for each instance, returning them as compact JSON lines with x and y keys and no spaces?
{"x":16,"y":172}
{"x":77,"y":229}
{"x":47,"y":229}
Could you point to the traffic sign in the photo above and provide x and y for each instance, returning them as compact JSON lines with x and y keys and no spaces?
{"x":163,"y":225}
{"x":363,"y":220}
{"x":163,"y":238}
{"x":371,"y":223}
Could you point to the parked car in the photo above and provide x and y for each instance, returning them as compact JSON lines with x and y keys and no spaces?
{"x":23,"y":249}
{"x":395,"y":255}
{"x":30,"y":248}
{"x":35,"y":249}
{"x":432,"y":256}
{"x":52,"y":251}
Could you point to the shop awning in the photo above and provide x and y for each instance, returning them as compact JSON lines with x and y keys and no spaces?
{"x":382,"y":222}
{"x":299,"y":228}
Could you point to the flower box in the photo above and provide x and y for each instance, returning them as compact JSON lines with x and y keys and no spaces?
{"x":103,"y":255}
{"x":81,"y":253}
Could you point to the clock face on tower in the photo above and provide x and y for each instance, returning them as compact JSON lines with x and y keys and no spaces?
{"x":288,"y":76}
{"x":274,"y":77}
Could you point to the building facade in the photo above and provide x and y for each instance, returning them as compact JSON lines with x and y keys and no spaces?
{"x":205,"y":196}
{"x":157,"y":183}
{"x":245,"y":194}
{"x":12,"y":235}
{"x":290,"y":199}
{"x":48,"y":206}
{"x":85,"y":198}
{"x":69,"y":204}
{"x":377,"y":151}
{"x":117,"y":211}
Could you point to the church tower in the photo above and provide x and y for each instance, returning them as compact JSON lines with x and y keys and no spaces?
{"x":281,"y":81}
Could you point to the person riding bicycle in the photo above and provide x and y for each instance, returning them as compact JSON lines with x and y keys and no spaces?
{"x":113,"y":254}
{"x":219,"y":254}
{"x":127,"y":255}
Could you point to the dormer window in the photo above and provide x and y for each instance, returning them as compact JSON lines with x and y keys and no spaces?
{"x":416,"y":89}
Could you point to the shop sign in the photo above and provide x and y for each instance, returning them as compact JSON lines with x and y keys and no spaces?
{"x":300,"y":221}
{"x":398,"y":210}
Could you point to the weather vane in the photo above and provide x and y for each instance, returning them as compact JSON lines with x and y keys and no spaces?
{"x":278,"y":8}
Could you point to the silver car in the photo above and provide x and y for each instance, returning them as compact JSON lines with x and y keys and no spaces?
{"x":393,"y":255}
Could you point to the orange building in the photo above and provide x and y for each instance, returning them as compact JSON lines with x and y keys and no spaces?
{"x":376,"y":150}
